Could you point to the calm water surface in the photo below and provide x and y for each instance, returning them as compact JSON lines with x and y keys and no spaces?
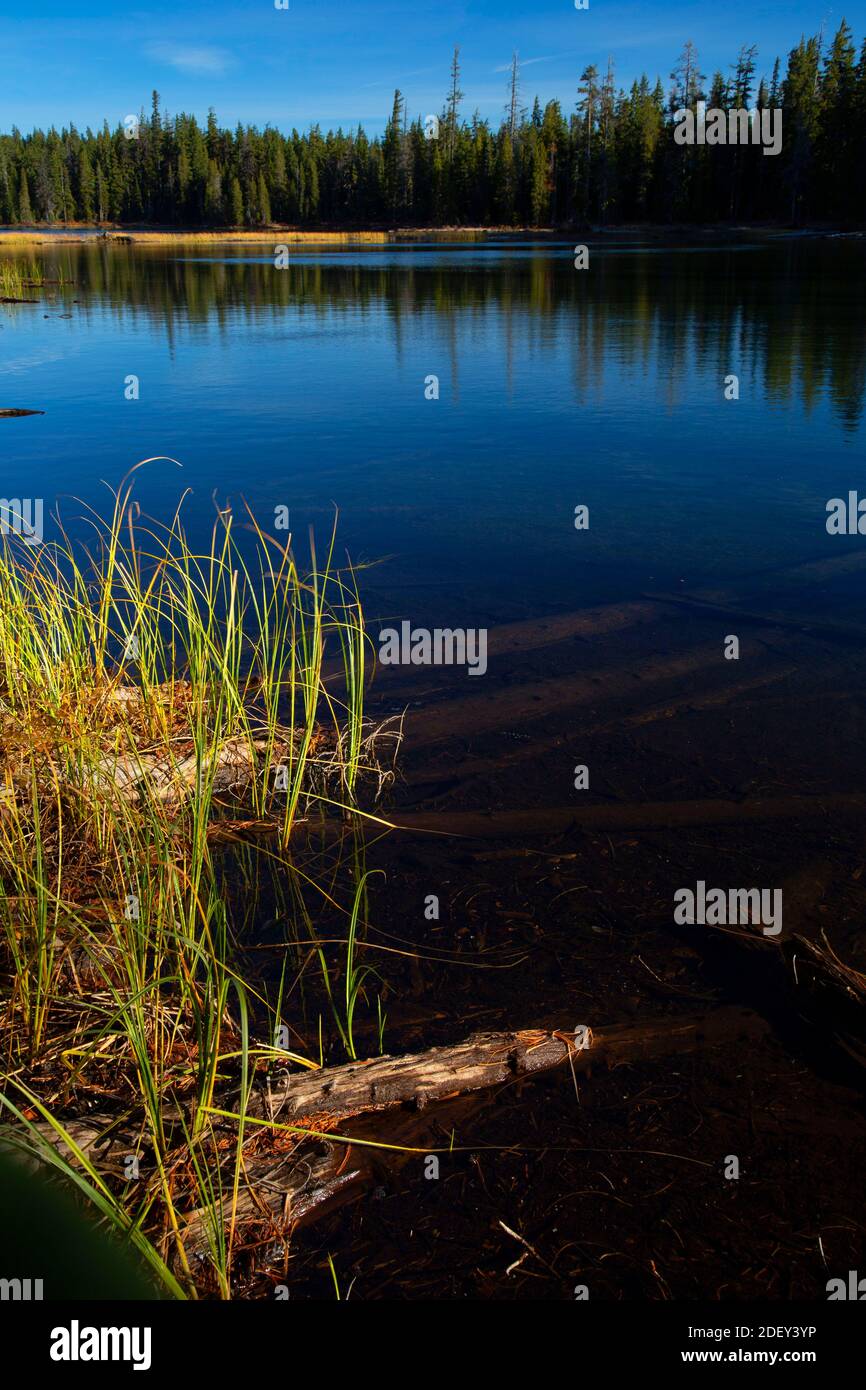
{"x":305,"y":387}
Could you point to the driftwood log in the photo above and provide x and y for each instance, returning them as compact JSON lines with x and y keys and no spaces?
{"x":173,"y":778}
{"x":286,"y":1189}
{"x":484,"y":1059}
{"x":286,"y":1192}
{"x":173,"y":781}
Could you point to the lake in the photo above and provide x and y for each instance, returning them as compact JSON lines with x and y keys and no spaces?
{"x":306,"y":387}
{"x":453,"y":405}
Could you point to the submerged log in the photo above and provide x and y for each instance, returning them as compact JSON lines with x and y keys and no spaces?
{"x":533,"y":634}
{"x":641,"y":815}
{"x":283,"y":1192}
{"x":530,"y":634}
{"x":816,"y":571}
{"x":468,"y":768}
{"x":504,"y":707}
{"x":484,"y":1059}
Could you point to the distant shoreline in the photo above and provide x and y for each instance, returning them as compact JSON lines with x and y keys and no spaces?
{"x":80,"y":233}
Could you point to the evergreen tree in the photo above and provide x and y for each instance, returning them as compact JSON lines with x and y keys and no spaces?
{"x":837,"y":133}
{"x":589,"y":99}
{"x":86,"y":186}
{"x":452,"y":109}
{"x":25,"y":212}
{"x":613,"y":157}
{"x":236,"y":203}
{"x":687,"y":79}
{"x":800,"y":102}
{"x":512,"y":110}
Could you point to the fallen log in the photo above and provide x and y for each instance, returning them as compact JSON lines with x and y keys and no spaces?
{"x":503,"y":707}
{"x":484,"y":1059}
{"x":230,"y":770}
{"x":104,"y":1140}
{"x":284,"y":1192}
{"x":172,"y":772}
{"x":468,"y":768}
{"x":233,"y":768}
{"x":358,"y":1087}
{"x":532,"y":634}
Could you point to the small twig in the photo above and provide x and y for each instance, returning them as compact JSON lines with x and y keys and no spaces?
{"x":526,"y":1246}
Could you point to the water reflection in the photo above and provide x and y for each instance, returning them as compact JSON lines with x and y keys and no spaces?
{"x":790,"y":315}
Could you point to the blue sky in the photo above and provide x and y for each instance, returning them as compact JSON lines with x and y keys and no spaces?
{"x":338,"y":61}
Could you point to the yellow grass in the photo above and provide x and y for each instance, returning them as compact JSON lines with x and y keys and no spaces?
{"x":78,"y":233}
{"x":193,"y":238}
{"x":275,"y":234}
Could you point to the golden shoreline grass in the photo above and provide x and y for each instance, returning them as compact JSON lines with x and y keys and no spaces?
{"x":267,"y":236}
{"x":82,"y":235}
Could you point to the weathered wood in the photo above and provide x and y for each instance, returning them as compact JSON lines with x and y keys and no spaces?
{"x":358,"y":1087}
{"x":103,"y":1139}
{"x":172,"y":778}
{"x":482,"y":1060}
{"x":285,"y":1192}
{"x":230,"y":770}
